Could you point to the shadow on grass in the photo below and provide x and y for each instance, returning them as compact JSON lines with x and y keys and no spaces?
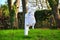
{"x":28,"y":37}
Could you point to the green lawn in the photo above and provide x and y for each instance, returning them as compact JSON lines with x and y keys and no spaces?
{"x":36,"y":34}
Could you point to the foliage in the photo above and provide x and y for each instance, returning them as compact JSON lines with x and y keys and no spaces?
{"x":44,"y":19}
{"x":53,"y":3}
{"x":12,"y":14}
{"x":7,"y":15}
{"x":43,"y":14}
{"x":5,"y":11}
{"x":4,"y":19}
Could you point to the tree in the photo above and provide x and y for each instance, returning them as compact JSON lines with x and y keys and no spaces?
{"x":17,"y":4}
{"x":55,"y":10}
{"x":11,"y":12}
{"x":24,"y":2}
{"x":13,"y":9}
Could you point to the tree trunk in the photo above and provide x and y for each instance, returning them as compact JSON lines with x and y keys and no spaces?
{"x":24,"y":10}
{"x":17,"y":5}
{"x":56,"y":15}
{"x":10,"y":10}
{"x":16,"y":15}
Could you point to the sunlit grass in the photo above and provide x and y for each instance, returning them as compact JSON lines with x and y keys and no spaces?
{"x":36,"y":34}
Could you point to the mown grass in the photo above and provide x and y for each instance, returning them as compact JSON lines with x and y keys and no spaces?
{"x":36,"y":34}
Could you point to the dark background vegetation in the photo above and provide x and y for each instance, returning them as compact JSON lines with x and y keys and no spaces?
{"x":44,"y":18}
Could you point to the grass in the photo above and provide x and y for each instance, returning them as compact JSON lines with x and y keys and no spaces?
{"x":36,"y":34}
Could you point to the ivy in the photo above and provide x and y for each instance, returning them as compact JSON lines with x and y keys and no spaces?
{"x":12,"y":14}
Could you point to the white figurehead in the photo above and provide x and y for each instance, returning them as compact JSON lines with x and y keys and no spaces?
{"x":29,"y":17}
